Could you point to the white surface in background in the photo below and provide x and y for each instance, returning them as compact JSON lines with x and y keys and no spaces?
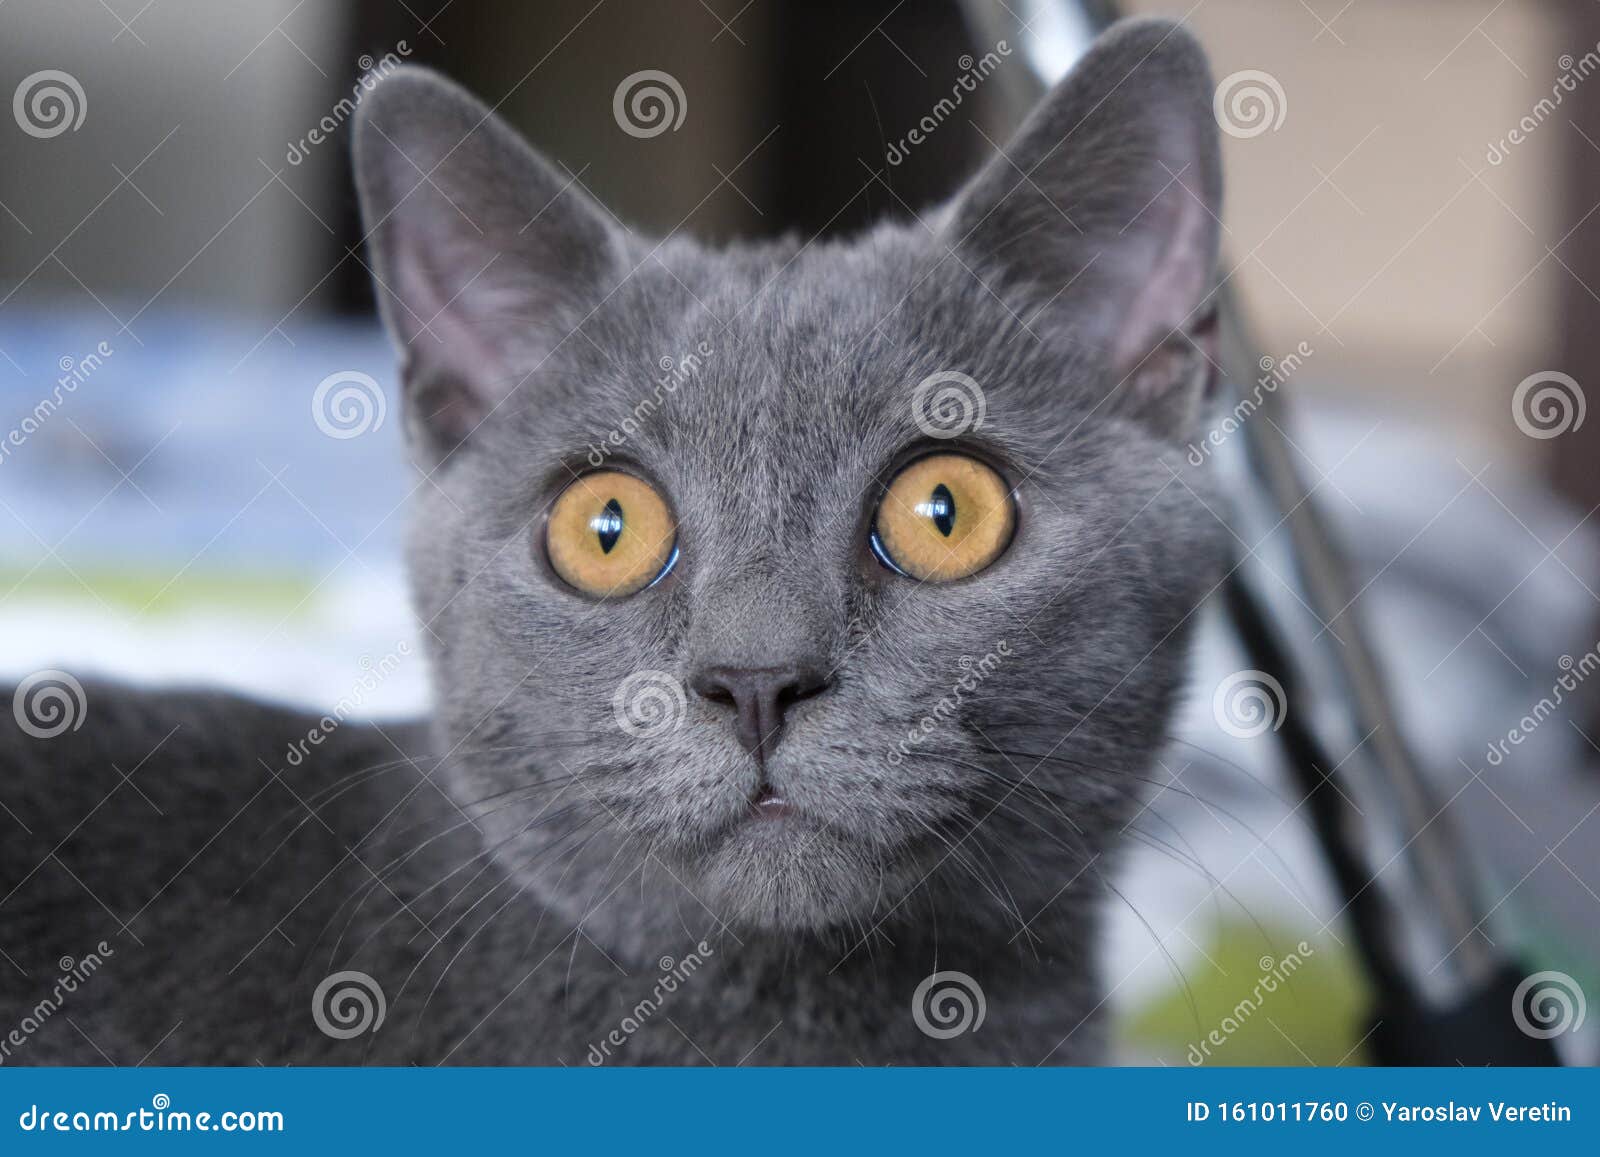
{"x":322,"y":653}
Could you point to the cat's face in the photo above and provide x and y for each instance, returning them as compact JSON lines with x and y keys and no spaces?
{"x":694,"y":541}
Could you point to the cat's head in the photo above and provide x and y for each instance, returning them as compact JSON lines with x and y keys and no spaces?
{"x":816,"y":571}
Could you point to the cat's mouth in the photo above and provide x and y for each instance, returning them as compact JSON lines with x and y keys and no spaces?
{"x":768,"y":804}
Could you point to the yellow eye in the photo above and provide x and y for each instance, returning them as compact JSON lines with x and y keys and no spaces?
{"x":610,"y":535}
{"x":944,"y":517}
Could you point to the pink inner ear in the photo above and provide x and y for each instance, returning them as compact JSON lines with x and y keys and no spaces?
{"x":454,"y":371}
{"x":1167,"y":300}
{"x":430,"y":309}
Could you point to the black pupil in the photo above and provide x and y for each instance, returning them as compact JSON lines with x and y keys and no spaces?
{"x":942,"y":508}
{"x":608,"y":525}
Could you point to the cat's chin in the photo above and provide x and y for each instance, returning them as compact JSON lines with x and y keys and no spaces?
{"x":787,"y":873}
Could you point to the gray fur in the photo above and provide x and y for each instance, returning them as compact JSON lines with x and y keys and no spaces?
{"x":530,"y":934}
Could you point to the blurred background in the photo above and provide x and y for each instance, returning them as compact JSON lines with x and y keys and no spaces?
{"x":1411,"y":230}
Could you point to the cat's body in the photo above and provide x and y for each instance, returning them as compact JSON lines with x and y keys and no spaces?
{"x":834,"y":781}
{"x":225,"y":902}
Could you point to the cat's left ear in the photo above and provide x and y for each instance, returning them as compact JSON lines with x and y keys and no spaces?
{"x":485,"y":257}
{"x":1103,"y":212}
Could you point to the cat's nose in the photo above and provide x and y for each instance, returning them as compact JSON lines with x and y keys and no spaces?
{"x":760,"y":696}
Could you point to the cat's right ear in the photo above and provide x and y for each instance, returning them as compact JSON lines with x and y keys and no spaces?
{"x":485,"y":257}
{"x":1103,"y":209}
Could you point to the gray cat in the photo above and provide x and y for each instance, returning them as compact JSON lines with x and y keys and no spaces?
{"x":792,"y":692}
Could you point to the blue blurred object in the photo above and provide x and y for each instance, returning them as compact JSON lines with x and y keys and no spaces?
{"x":206,"y":500}
{"x":194,"y":437}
